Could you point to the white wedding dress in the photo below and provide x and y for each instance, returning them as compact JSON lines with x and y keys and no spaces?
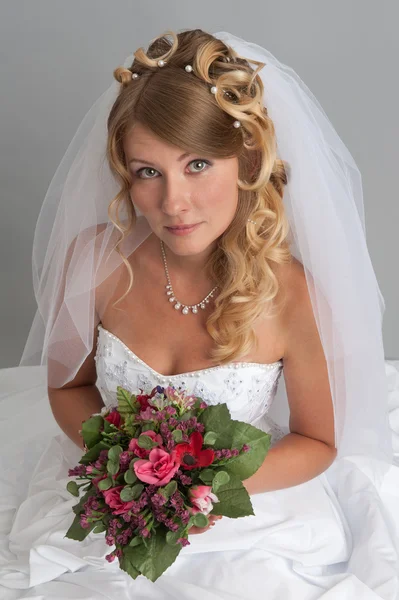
{"x":305,"y":542}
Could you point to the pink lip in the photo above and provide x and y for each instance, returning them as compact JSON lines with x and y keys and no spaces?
{"x":185,"y":230}
{"x":183,"y":226}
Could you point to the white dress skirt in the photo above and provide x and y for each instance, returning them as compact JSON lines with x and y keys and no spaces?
{"x":306,"y":542}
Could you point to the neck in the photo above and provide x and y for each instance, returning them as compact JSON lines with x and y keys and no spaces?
{"x":189,"y":267}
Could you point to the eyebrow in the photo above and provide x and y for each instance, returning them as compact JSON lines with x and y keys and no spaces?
{"x":150,"y":163}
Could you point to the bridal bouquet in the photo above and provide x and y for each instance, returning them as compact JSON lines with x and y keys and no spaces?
{"x":156,"y":465}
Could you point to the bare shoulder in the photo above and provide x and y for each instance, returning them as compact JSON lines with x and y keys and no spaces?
{"x":295,"y":298}
{"x":293,"y":287}
{"x":290,"y":275}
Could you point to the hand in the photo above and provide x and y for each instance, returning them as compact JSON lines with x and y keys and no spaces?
{"x":212,"y":520}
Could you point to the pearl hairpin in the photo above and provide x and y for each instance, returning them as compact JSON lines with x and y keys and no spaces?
{"x":189,"y":69}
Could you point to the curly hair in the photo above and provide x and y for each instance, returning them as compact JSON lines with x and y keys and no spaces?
{"x":187,"y":115}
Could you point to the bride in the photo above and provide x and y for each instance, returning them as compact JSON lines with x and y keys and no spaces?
{"x":205,"y":230}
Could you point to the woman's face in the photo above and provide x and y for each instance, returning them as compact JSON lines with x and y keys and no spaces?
{"x":171,"y":188}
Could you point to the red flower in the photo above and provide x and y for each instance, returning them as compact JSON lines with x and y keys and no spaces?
{"x":114,"y":418}
{"x":143,"y":399}
{"x":191,"y":456}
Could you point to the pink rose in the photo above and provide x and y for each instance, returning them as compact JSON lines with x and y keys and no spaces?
{"x":142,"y":452}
{"x":158,"y":469}
{"x":201,"y":499}
{"x":113,"y":498}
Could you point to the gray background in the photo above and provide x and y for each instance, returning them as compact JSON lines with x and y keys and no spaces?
{"x":58,"y":57}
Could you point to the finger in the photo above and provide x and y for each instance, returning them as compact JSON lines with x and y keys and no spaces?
{"x":196,"y":530}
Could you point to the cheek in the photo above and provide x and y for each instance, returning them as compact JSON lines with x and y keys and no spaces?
{"x":224,"y":194}
{"x":140,"y":197}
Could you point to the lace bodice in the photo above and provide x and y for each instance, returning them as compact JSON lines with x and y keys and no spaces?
{"x":247,"y":388}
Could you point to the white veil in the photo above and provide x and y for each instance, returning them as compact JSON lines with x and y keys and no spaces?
{"x":74,"y":238}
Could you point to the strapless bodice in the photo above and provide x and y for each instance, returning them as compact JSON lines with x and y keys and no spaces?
{"x":247,"y":388}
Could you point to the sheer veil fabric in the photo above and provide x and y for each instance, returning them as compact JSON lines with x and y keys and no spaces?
{"x":324,"y":204}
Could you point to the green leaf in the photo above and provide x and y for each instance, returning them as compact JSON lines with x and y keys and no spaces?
{"x":177,"y":435}
{"x":94,"y":452}
{"x":234,"y":500}
{"x":173,"y":536}
{"x":126,"y":494}
{"x":127,"y":565}
{"x":207,"y":476}
{"x":86,"y":487}
{"x":127,"y":403}
{"x":77,"y":532}
{"x":151,"y":560}
{"x":114,"y":453}
{"x":210,"y":438}
{"x":99,"y":528}
{"x":136,"y":541}
{"x":191,"y":522}
{"x":170,"y":488}
{"x":147,"y":427}
{"x":130,"y":477}
{"x":188,"y":415}
{"x":91,"y":430}
{"x":144,"y":441}
{"x":137,"y":489}
{"x":245,"y":465}
{"x":109,"y":427}
{"x":201,"y":520}
{"x":220,"y":479}
{"x":218,"y":420}
{"x":105,"y":484}
{"x":72,"y":488}
{"x":131,"y":492}
{"x":112,"y":467}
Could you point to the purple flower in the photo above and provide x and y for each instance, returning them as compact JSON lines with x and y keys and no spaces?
{"x":146,"y":415}
{"x":145,"y":533}
{"x":77,"y":471}
{"x":83,"y":521}
{"x":110,"y":557}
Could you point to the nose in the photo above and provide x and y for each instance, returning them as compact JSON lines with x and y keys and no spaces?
{"x":176,"y":195}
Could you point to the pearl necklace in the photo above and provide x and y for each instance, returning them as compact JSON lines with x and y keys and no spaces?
{"x":170,"y":293}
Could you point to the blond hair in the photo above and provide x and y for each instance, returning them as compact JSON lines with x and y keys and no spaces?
{"x":176,"y":106}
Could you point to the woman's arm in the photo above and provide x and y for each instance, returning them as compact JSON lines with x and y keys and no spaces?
{"x":293,"y":460}
{"x":78,"y":399}
{"x":309,"y":449}
{"x":74,"y":405}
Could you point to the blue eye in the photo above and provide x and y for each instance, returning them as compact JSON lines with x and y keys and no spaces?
{"x":196,"y":160}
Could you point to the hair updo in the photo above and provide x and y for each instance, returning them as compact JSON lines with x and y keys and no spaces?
{"x":179,"y":108}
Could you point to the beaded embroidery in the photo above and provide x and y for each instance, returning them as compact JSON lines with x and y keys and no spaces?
{"x":197,"y":373}
{"x":248,"y":389}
